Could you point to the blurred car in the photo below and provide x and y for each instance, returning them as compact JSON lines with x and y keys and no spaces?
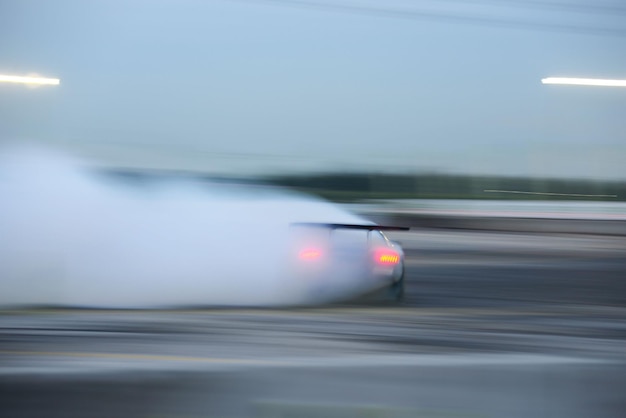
{"x":348,"y":259}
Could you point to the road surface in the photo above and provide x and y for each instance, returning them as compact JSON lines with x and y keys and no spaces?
{"x":494,"y":325}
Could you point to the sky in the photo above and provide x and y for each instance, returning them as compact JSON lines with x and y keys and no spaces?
{"x":262,"y":86}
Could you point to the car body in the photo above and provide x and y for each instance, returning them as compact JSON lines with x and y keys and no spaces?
{"x":342,"y":261}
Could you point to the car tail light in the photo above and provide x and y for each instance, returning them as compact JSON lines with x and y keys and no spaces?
{"x":386,"y":257}
{"x":309,"y":254}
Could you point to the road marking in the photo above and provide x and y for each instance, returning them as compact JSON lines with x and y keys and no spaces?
{"x":289,"y":408}
{"x":347,"y":311}
{"x":348,"y":360}
{"x":131,"y":356}
{"x":549,"y":194}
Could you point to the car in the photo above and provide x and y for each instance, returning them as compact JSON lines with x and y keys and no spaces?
{"x":341,"y":261}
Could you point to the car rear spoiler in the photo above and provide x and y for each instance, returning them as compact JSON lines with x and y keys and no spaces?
{"x":351,"y":226}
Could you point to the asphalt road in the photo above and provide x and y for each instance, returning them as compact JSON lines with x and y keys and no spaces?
{"x":491,"y":269}
{"x":494,"y":325}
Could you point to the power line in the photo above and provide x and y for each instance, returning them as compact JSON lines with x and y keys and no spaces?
{"x":413,"y":14}
{"x":600,"y":8}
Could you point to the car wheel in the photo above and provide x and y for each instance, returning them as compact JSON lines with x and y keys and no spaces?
{"x":396,"y":290}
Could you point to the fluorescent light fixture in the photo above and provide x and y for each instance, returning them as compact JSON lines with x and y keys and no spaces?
{"x":584,"y":81}
{"x":29,"y":80}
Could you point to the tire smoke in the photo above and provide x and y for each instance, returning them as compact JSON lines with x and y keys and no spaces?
{"x":72,"y":237}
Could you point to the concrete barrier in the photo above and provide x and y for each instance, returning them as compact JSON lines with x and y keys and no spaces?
{"x":508,"y":224}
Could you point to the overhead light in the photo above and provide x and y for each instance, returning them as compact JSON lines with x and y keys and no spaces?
{"x":29,"y":80}
{"x":584,"y":81}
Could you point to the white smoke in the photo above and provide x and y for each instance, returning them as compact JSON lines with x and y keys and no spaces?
{"x":69,"y":237}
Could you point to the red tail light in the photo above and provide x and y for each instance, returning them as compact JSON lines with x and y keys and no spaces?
{"x":386,"y":257}
{"x":309,"y":254}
